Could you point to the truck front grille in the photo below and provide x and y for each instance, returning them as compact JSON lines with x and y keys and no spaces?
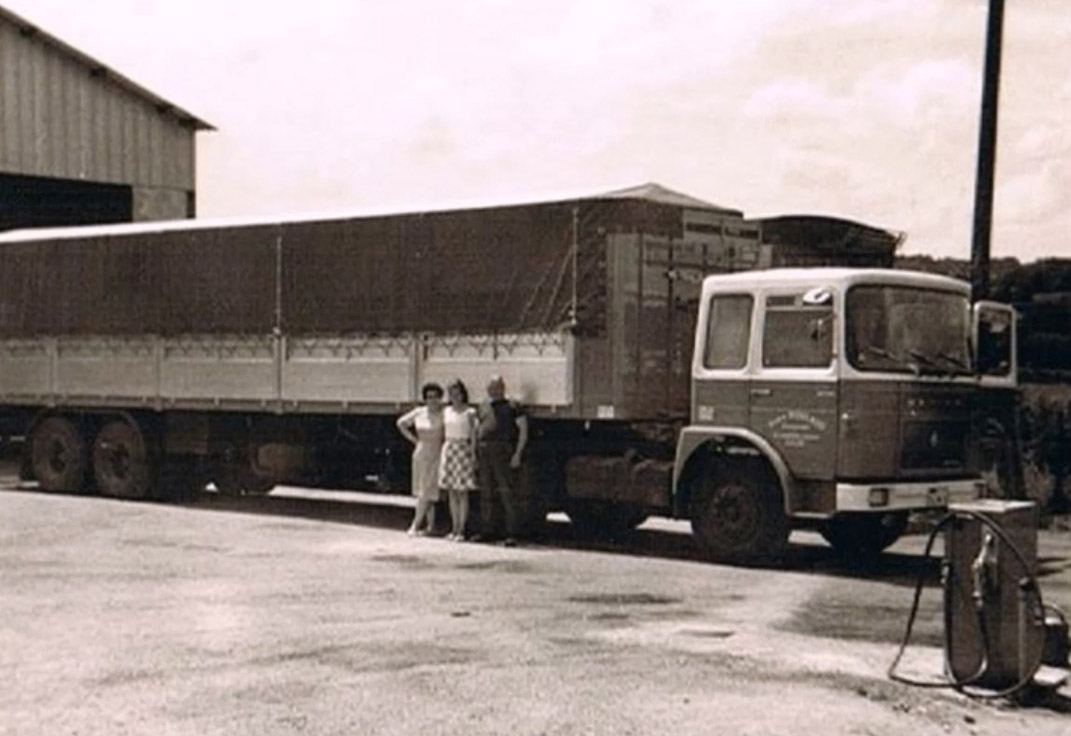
{"x":937,"y":445}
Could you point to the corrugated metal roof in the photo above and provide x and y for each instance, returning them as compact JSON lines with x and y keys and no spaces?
{"x":102,"y":71}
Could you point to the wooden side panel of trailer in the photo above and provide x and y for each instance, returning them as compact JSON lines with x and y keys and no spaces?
{"x":280,"y":374}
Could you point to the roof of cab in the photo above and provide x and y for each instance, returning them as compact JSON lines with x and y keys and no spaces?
{"x":826,"y":276}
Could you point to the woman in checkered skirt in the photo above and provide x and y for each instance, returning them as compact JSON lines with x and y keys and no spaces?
{"x":457,"y":465}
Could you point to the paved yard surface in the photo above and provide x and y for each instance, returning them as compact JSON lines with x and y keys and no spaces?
{"x":312,"y":613}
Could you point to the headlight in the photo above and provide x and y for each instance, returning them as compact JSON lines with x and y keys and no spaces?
{"x":878,"y":497}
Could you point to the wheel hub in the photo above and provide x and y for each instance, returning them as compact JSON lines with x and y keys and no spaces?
{"x":734,"y":511}
{"x":57,"y":457}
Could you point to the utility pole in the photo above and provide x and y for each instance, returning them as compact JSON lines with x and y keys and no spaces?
{"x":987,"y":154}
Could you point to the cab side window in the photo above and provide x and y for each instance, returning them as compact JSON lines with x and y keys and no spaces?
{"x":728,"y":331}
{"x":994,"y":348}
{"x":797,"y":335}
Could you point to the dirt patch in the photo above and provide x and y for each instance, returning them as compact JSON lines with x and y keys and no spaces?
{"x":407,"y":561}
{"x":609,"y":616}
{"x":841,"y":616}
{"x":708,"y":633}
{"x":624,"y":599}
{"x":511,"y":566}
{"x":374,"y":657}
{"x":171,"y":544}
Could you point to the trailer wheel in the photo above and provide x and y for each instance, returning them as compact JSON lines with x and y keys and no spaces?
{"x":603,"y":519}
{"x":864,"y":535}
{"x":738,"y":515}
{"x":58,"y":455}
{"x":122,"y":464}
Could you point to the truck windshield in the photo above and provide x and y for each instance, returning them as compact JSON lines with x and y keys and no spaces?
{"x":909,"y":330}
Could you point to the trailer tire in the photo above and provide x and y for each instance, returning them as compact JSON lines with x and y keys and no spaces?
{"x":58,"y":455}
{"x":604,"y":519}
{"x":122,"y":463}
{"x":738,"y":514}
{"x":864,"y":535}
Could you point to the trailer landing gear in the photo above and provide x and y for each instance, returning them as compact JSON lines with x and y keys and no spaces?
{"x":238,"y":479}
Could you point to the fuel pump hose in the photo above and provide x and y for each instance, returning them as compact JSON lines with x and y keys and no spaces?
{"x":964,"y":684}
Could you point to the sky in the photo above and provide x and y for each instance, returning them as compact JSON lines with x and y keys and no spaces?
{"x":864,"y":109}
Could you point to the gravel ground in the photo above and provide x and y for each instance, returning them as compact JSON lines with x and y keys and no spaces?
{"x":310,"y":612}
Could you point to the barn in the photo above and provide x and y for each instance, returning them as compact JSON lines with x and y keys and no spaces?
{"x":82,"y":144}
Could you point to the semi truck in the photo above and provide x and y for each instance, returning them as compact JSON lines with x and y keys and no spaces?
{"x":666,"y":368}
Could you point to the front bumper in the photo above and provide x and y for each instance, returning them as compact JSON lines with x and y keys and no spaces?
{"x":907,"y":496}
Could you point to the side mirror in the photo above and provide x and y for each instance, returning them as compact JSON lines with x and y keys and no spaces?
{"x":994,"y":340}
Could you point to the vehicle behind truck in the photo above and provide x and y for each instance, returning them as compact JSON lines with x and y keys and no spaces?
{"x":150,"y":361}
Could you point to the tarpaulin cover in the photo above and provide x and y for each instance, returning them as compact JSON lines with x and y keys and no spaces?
{"x":501,"y":269}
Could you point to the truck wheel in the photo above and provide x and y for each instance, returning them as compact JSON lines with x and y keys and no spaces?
{"x":864,"y":535}
{"x":122,"y":465}
{"x":738,"y":515}
{"x":603,"y":519}
{"x":58,"y":455}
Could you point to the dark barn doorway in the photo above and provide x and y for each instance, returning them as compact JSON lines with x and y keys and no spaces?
{"x":32,"y":201}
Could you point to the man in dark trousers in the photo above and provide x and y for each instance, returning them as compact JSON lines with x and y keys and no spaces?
{"x":503,"y":434}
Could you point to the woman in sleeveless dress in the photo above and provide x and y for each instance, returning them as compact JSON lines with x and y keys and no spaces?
{"x":423,"y":426}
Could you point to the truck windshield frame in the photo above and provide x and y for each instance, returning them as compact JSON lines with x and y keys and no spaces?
{"x":893,"y":328}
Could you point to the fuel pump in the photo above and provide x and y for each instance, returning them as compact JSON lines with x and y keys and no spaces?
{"x":998,"y":631}
{"x":993,"y":610}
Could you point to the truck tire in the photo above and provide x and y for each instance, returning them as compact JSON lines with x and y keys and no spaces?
{"x":58,"y":455}
{"x":603,"y":519}
{"x":122,"y":463}
{"x":738,"y":514}
{"x":864,"y":535}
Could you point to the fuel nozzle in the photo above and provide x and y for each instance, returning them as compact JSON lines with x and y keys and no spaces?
{"x":984,"y":570}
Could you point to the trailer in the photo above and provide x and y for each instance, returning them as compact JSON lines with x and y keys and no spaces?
{"x":148,"y":360}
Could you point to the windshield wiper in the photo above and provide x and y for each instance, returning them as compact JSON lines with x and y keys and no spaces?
{"x":931,"y":361}
{"x":884,"y":354}
{"x":955,"y":361}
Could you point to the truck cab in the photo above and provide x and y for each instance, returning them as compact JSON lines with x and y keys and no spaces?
{"x":841,"y":399}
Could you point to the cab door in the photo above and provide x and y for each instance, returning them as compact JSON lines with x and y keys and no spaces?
{"x":793,"y":394}
{"x":720,"y":364}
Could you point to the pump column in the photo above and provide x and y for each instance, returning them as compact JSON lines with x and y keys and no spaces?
{"x":995,"y":630}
